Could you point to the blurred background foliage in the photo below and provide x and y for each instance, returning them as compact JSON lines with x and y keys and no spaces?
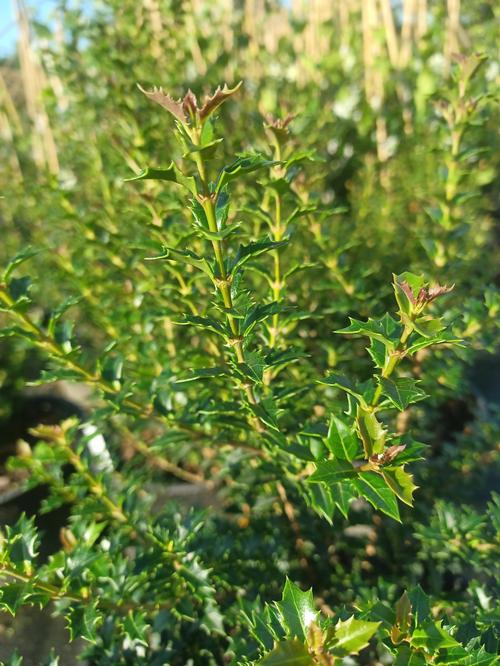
{"x":405,"y":167}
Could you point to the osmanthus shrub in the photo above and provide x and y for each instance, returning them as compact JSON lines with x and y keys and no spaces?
{"x":212,"y":385}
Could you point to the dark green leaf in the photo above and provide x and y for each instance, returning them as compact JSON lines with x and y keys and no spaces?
{"x":402,"y":392}
{"x":341,"y":439}
{"x":351,"y":636}
{"x":170,"y":173}
{"x":371,"y":432}
{"x":288,"y":653}
{"x":242,"y":165}
{"x":332,"y":471}
{"x":297,"y":610}
{"x":375,"y":489}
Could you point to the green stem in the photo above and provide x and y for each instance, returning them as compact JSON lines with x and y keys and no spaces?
{"x":54,"y":592}
{"x":223,"y":282}
{"x":277,"y":232}
{"x":391,"y":363}
{"x":452,"y":177}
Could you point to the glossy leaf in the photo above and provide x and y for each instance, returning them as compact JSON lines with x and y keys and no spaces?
{"x":402,"y":391}
{"x":352,"y":635}
{"x":288,"y":653}
{"x":375,"y":489}
{"x":297,"y":610}
{"x":341,"y":439}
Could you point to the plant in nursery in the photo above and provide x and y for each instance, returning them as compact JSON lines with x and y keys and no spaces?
{"x":211,"y":385}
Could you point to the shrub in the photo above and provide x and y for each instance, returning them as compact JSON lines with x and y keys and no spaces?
{"x":197,"y":300}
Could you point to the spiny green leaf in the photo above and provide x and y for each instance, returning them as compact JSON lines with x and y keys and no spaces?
{"x":170,"y":173}
{"x":343,"y":383}
{"x":351,"y":636}
{"x":341,"y":440}
{"x":201,"y":373}
{"x":332,"y":471}
{"x":207,"y":323}
{"x":84,"y":621}
{"x":135,"y":626}
{"x":243,"y":164}
{"x":385,"y":330}
{"x":342,"y":494}
{"x":431,"y":637}
{"x":297,"y":610}
{"x":288,"y":653}
{"x":185,"y":257}
{"x":420,"y":605}
{"x":258,"y":313}
{"x":402,"y":392}
{"x":247,"y":252}
{"x":371,"y":432}
{"x":374,"y":488}
{"x":320,"y":499}
{"x":443,"y":338}
{"x":401,"y":483}
{"x":429,"y":327}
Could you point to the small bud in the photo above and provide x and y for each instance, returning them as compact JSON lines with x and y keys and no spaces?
{"x":186,"y":110}
{"x":67,"y":538}
{"x":279,"y":127}
{"x":23,"y":449}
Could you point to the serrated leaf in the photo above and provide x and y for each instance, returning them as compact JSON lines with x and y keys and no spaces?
{"x":402,"y":392}
{"x":401,"y":483}
{"x":385,"y":330}
{"x":185,"y":257}
{"x":288,"y":653}
{"x":320,"y":499}
{"x":441,"y":339}
{"x":247,"y":252}
{"x":207,"y":323}
{"x":420,"y":605}
{"x":428,"y":326}
{"x":352,"y":635}
{"x":170,"y":173}
{"x":374,"y":488}
{"x":212,"y":102}
{"x":84,"y":621}
{"x":378,"y":353}
{"x":135,"y":626}
{"x":332,"y":471}
{"x":343,"y":383}
{"x":242,"y":165}
{"x":371,"y":432}
{"x":297,"y":610}
{"x":258,"y":313}
{"x":431,"y":637}
{"x":341,"y":440}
